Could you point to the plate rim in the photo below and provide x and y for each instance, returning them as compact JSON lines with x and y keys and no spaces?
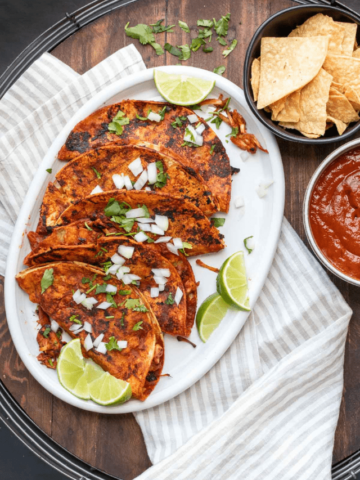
{"x":90,"y":106}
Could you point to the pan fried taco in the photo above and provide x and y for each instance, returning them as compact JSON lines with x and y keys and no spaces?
{"x":112,"y":313}
{"x":169,"y":134}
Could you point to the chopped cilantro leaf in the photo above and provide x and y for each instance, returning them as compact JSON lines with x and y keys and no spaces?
{"x":46,"y":332}
{"x":137,"y":326}
{"x":217,"y":222}
{"x":110,"y":316}
{"x":158,"y":28}
{"x":58,"y":333}
{"x":122,"y":319}
{"x":230,"y":48}
{"x":112,"y":345}
{"x":85,"y":280}
{"x":141,"y":32}
{"x":142,"y":118}
{"x":116,"y":126}
{"x":222,"y":26}
{"x":107,"y":277}
{"x":184,"y":26}
{"x":246,"y":244}
{"x":96,"y":173}
{"x":146,"y":210}
{"x":170,"y":300}
{"x":110,"y":299}
{"x":234,"y":132}
{"x":115,"y":208}
{"x":162,"y":177}
{"x":100,"y":288}
{"x":190,"y":134}
{"x":87,"y":226}
{"x":51,"y":362}
{"x":206,"y":33}
{"x":217,"y":121}
{"x":47,"y":279}
{"x":124,"y":292}
{"x":222,"y":41}
{"x":205,"y":23}
{"x":212,"y":149}
{"x":74,"y":319}
{"x":196,"y":44}
{"x":189,"y":144}
{"x":150,"y":240}
{"x":173,"y":50}
{"x":208,"y":49}
{"x":135,"y":305}
{"x":49,"y":170}
{"x":185,"y":52}
{"x":177,"y":123}
{"x":92,"y":287}
{"x":219,"y":70}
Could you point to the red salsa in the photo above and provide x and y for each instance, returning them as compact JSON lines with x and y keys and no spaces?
{"x":334,"y":213}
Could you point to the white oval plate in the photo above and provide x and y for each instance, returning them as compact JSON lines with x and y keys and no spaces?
{"x":260,"y":217}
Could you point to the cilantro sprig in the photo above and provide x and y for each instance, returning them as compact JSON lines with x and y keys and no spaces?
{"x":116,"y":125}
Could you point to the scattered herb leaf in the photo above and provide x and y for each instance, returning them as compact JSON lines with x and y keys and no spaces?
{"x":47,"y":279}
{"x":137,"y":326}
{"x":74,"y":319}
{"x":87,"y":226}
{"x":208,"y":49}
{"x":173,"y":50}
{"x":184,"y":26}
{"x":230,"y":48}
{"x":96,"y":172}
{"x":49,"y":170}
{"x":219,"y":70}
{"x":217,"y":222}
{"x":112,"y":345}
{"x":246,"y":244}
{"x":46,"y":332}
{"x":170,"y":300}
{"x":212,"y":149}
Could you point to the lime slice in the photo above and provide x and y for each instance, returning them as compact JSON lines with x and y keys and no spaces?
{"x":210,"y":314}
{"x":231,"y":282}
{"x":182,"y":89}
{"x":71,"y":370}
{"x":108,"y":390}
{"x":93,"y":372}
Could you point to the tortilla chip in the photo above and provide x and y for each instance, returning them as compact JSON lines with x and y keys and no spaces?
{"x":287,"y":64}
{"x":348,"y":43}
{"x":356,"y":53}
{"x":322,"y":25}
{"x":341,"y":126}
{"x":291,"y":110}
{"x":339,"y":107}
{"x":277,"y":107}
{"x":345,"y":70}
{"x":337,"y":88}
{"x":255,"y":78}
{"x":353,"y":98}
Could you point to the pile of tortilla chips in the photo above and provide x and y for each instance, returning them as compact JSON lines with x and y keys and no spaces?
{"x":310,"y":80}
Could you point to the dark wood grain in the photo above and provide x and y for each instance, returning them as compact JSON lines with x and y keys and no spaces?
{"x":114,"y":443}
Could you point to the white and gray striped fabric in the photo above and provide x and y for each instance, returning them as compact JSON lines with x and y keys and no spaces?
{"x":271,"y":404}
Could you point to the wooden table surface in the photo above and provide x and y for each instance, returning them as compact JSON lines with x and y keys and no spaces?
{"x":112,"y":443}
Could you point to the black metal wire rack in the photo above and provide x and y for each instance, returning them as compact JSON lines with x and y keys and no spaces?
{"x":11,"y":414}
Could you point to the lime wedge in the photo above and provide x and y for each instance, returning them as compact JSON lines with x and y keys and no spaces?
{"x":93,"y":372}
{"x":71,"y":370}
{"x":231,"y":282}
{"x":182,"y":89}
{"x":210,"y":314}
{"x":108,"y":390}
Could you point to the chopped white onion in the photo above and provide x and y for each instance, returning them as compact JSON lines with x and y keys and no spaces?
{"x":89,"y":302}
{"x":87,"y":327}
{"x":160,"y":280}
{"x":145,"y":227}
{"x":113,"y":269}
{"x":154,"y":292}
{"x":101,"y":348}
{"x":152,"y":173}
{"x":148,"y":189}
{"x":157,"y":230}
{"x":163,"y":240}
{"x":200,"y":129}
{"x":145,"y":220}
{"x":178,"y":243}
{"x":111,"y":288}
{"x":193,"y":137}
{"x":98,"y":339}
{"x":54,"y":326}
{"x":178,"y":296}
{"x":161,"y":287}
{"x":119,"y":275}
{"x":244,"y":156}
{"x":135,"y":212}
{"x":192,"y":118}
{"x":122,"y":343}
{"x":65,"y":337}
{"x":165,"y":272}
{"x":78,"y":331}
{"x":126,"y":279}
{"x":172,"y":248}
{"x":88,"y":343}
{"x":104,"y":305}
{"x":250,"y":243}
{"x":79,"y":297}
{"x":154,"y":117}
{"x":262,"y":189}
{"x":141,"y":181}
{"x":127,"y":182}
{"x":239,"y":202}
{"x":134,"y":277}
{"x":97,"y":189}
{"x":136,"y":167}
{"x":124,"y":269}
{"x":118,"y":180}
{"x":75,"y":327}
{"x":140,"y":237}
{"x":125,"y":251}
{"x":162,"y":221}
{"x":117,"y":259}
{"x":207,"y":108}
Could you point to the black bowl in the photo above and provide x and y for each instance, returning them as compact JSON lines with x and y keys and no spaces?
{"x":280,"y":25}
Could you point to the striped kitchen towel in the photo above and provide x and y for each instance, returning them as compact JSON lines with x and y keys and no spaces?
{"x":271,"y":403}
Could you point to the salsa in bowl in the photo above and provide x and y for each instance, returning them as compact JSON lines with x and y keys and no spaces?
{"x":332,"y":212}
